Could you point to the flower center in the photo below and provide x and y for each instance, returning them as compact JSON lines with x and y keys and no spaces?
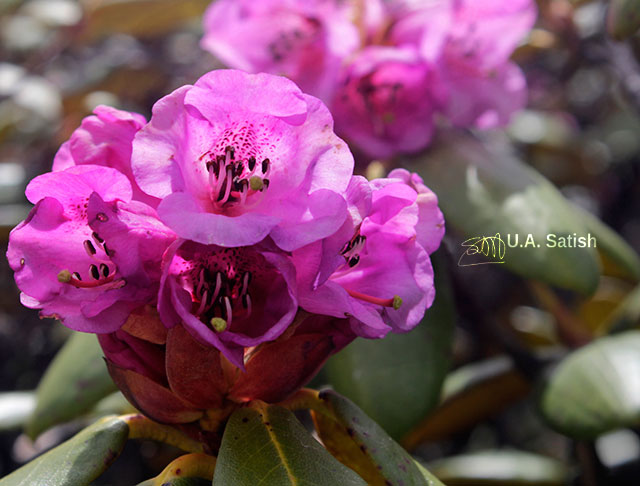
{"x":220,"y":286}
{"x":235,"y":181}
{"x":101,"y":273}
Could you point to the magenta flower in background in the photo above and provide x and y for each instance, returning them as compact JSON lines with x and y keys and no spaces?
{"x":229,"y":298}
{"x":402,"y":62}
{"x":104,"y":138}
{"x":486,"y":88}
{"x":238,"y":157}
{"x":87,"y":254}
{"x":387,"y":100}
{"x":376,"y":268}
{"x":307,"y":41}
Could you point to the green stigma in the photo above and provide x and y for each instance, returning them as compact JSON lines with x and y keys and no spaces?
{"x":256,"y":183}
{"x":397,"y":302}
{"x":218,"y":324}
{"x":64,"y":276}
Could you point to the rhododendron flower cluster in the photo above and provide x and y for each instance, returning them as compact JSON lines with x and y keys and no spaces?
{"x":225,"y":241}
{"x":388,"y":66}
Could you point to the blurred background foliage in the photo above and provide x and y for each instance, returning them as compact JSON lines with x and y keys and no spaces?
{"x":522,"y":375}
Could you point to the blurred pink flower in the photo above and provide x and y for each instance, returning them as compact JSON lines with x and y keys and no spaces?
{"x":305,"y":40}
{"x":87,"y":254}
{"x":376,"y":268}
{"x":238,"y":157}
{"x":387,"y":101}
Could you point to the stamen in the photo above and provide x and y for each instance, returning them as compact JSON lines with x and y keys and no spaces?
{"x":76,"y":275}
{"x":251,"y":163}
{"x":246,"y":303}
{"x":265,"y":183}
{"x":94,"y":271}
{"x":218,"y":285}
{"x":97,"y":238}
{"x":203,"y":303}
{"x":353,"y":261}
{"x":227,"y":303}
{"x":77,"y":282}
{"x":265,"y":166}
{"x":200,"y":284}
{"x":106,"y":250}
{"x":89,"y":248}
{"x":246,"y":278}
{"x":394,"y":302}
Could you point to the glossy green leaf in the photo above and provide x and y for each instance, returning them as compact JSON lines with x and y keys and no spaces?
{"x":397,"y":380}
{"x":612,"y":245}
{"x":623,"y":18}
{"x":15,"y":408}
{"x":485,"y":190}
{"x":497,"y":468}
{"x":271,"y":447}
{"x":627,"y":315}
{"x":358,"y":442}
{"x":596,"y":389}
{"x":74,"y":382}
{"x":77,"y":461}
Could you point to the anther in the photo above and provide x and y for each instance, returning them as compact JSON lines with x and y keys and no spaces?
{"x":89,"y":248}
{"x":265,"y":183}
{"x":230,"y":151}
{"x":64,"y":276}
{"x":251,"y":163}
{"x":94,"y":271}
{"x":218,"y":324}
{"x":265,"y":166}
{"x":76,"y":275}
{"x":97,"y":238}
{"x":106,"y":250}
{"x":104,"y":270}
{"x":353,"y":261}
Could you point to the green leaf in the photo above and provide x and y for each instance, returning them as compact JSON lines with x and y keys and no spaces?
{"x":397,"y":380}
{"x":498,"y":467}
{"x":483,"y":190}
{"x":269,"y":446}
{"x":612,"y":245}
{"x":77,"y":461}
{"x":358,"y":442}
{"x":623,"y":18}
{"x":627,"y":314}
{"x":471,"y":394}
{"x":595,"y":389}
{"x":15,"y":408}
{"x":74,"y":382}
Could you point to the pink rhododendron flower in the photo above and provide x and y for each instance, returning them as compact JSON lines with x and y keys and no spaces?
{"x":229,"y":298}
{"x":238,"y":157}
{"x":387,"y":101}
{"x":87,"y":254}
{"x":307,"y":40}
{"x":486,"y":88}
{"x":104,"y":138}
{"x":376,"y":268}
